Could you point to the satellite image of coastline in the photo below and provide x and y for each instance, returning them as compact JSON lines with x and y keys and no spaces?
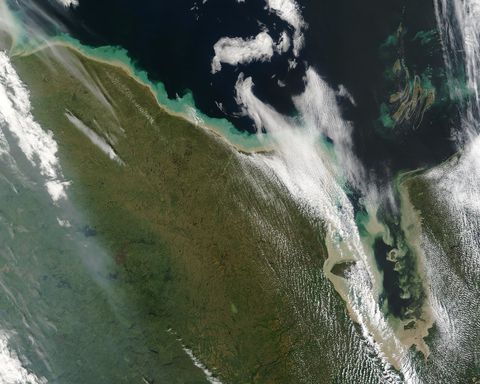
{"x":239,"y":191}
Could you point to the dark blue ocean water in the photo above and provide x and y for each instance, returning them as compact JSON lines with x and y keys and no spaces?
{"x":350,"y":43}
{"x":173,"y":42}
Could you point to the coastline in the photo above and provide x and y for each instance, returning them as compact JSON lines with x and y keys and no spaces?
{"x":407,"y":338}
{"x":411,"y":224}
{"x":177,"y":259}
{"x":242,"y":142}
{"x":409,"y":333}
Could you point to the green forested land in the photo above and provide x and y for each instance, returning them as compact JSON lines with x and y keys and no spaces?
{"x":188,"y":231}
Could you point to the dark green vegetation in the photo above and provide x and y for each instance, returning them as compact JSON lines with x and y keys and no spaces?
{"x":450,"y":227}
{"x":436,"y":218}
{"x":232,"y":268}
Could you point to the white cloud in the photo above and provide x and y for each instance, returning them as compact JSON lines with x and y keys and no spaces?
{"x":289,"y":11}
{"x":343,"y":92}
{"x":68,"y":3}
{"x":208,"y":374}
{"x":320,"y":116}
{"x":64,"y":223}
{"x":284,"y":43}
{"x":38,"y":145}
{"x":11,"y":369}
{"x":96,"y":139}
{"x":314,"y":173}
{"x":235,"y":50}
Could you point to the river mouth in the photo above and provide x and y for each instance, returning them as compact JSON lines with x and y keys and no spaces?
{"x":284,"y":208}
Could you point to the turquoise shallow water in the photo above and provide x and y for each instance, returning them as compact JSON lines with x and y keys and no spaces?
{"x":74,"y":323}
{"x":27,"y":40}
{"x":184,"y":105}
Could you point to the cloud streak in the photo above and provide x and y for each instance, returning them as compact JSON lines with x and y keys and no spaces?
{"x":96,"y":139}
{"x":314,"y":172}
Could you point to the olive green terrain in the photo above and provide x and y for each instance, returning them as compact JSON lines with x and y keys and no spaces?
{"x":436,"y":219}
{"x":234,"y":273}
{"x":447,"y":247}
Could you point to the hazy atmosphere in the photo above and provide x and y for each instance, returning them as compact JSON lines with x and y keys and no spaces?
{"x":239,"y":191}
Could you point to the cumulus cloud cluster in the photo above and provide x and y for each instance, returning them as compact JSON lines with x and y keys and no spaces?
{"x":289,"y":11}
{"x":236,"y":50}
{"x":12,"y":370}
{"x":39,"y":146}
